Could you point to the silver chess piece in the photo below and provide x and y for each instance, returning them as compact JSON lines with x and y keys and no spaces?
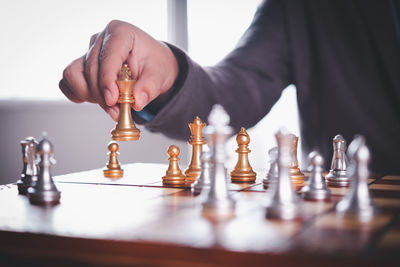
{"x":44,"y":192}
{"x":337,"y":175}
{"x":218,"y":202}
{"x":203,"y":183}
{"x":272,"y":174}
{"x":30,"y":169}
{"x":284,"y":203}
{"x":357,"y":203}
{"x":316,"y":188}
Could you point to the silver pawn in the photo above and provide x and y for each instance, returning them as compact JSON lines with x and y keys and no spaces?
{"x":203,"y":183}
{"x":218,"y":203}
{"x":337,"y":175}
{"x":44,"y":192}
{"x":357,"y":203}
{"x":284,"y":203}
{"x":30,"y":169}
{"x":316,"y":188}
{"x":272,"y":174}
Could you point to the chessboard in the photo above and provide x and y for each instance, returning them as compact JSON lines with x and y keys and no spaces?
{"x":136,"y":220}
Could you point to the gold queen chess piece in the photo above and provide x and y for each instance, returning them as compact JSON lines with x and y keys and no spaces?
{"x":243,"y":173}
{"x":113,"y":168}
{"x":125,"y":130}
{"x":197,"y":141}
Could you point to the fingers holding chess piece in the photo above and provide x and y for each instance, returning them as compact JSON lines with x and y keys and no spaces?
{"x":125,"y":130}
{"x":113,"y":167}
{"x":197,"y":141}
{"x":44,"y":192}
{"x":30,"y":169}
{"x":243,"y":173}
{"x":337,"y":175}
{"x":316,"y":188}
{"x":173,"y":176}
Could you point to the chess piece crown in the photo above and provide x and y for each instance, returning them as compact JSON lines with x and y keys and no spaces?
{"x":197,"y":141}
{"x":125,"y":130}
{"x":243,"y":173}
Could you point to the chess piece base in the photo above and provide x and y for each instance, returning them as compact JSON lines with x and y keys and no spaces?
{"x":113,"y":173}
{"x":283,"y":212}
{"x":178,"y":180}
{"x":243,"y":177}
{"x":125,"y":134}
{"x":192,"y":174}
{"x":337,"y":179}
{"x":48,"y":197}
{"x":316,"y":194}
{"x":219,"y":209}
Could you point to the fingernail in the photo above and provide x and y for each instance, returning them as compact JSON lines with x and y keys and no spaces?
{"x":108,"y":97}
{"x":110,"y":111}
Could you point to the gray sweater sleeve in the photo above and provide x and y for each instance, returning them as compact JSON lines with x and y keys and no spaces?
{"x":247,"y":82}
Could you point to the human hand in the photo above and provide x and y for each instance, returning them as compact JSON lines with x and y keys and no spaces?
{"x":92,"y":77}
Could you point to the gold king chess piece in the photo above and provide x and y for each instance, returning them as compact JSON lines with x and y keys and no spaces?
{"x":296,"y":175}
{"x":125,"y":130}
{"x":243,"y":173}
{"x":173,"y":176}
{"x":113,"y":168}
{"x":197,"y":141}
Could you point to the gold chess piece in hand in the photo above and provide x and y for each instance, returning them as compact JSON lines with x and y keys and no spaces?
{"x":125,"y":130}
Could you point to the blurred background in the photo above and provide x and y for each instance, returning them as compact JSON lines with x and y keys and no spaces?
{"x":41,"y":37}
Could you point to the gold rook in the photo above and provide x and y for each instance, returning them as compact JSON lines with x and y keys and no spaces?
{"x":125,"y":130}
{"x":296,"y":175}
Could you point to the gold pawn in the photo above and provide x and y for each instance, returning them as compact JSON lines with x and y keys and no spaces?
{"x":296,"y":175}
{"x":173,"y":176}
{"x":113,"y":167}
{"x":243,"y":173}
{"x":197,"y":142}
{"x":125,"y":130}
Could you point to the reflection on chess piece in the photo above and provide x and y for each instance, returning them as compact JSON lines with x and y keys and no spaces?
{"x":203,"y":183}
{"x":243,"y":173}
{"x":44,"y":192}
{"x":284,"y":203}
{"x":125,"y":130}
{"x":316,"y":188}
{"x":30,"y":169}
{"x":295,"y":174}
{"x":197,"y":141}
{"x":357,"y":203}
{"x":337,"y":175}
{"x":173,"y":176}
{"x":219,"y":204}
{"x":113,"y":167}
{"x":272,"y":174}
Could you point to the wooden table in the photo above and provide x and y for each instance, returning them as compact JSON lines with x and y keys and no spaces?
{"x":137,"y":221}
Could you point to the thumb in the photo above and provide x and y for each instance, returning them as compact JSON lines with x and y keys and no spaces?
{"x":146,"y":89}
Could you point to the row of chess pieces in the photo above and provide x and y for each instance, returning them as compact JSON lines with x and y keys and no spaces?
{"x":207,"y":175}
